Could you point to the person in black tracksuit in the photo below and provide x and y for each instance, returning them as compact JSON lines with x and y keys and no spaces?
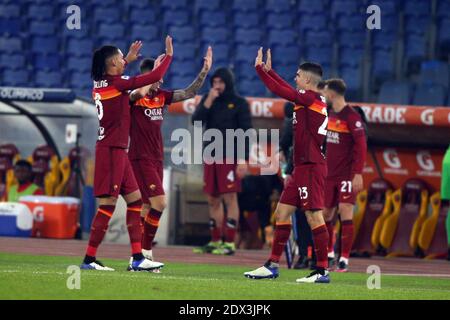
{"x":222,"y":108}
{"x":304,"y":236}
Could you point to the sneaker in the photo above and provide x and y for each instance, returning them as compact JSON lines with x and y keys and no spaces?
{"x":316,"y":277}
{"x":342,"y":266}
{"x":268,"y":271}
{"x":208,"y":248}
{"x":96,"y":265}
{"x":302,"y":263}
{"x":226,"y":249}
{"x":146,"y":265}
{"x":331,"y":263}
{"x":149,"y":255}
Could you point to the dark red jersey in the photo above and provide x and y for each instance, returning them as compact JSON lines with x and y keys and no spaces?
{"x":111,"y":96}
{"x":346,"y":144}
{"x":309,"y":118}
{"x":147,"y":114}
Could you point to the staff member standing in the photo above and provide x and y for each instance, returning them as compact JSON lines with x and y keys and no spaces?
{"x":222,"y":108}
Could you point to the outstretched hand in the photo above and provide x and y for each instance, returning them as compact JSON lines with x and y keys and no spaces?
{"x":207,"y":63}
{"x":158,"y":61}
{"x":133,"y":52}
{"x":169,"y":46}
{"x":259,"y":57}
{"x":268,"y":64}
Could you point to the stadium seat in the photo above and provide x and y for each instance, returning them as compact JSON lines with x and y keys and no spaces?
{"x":133,"y":4}
{"x":221,"y":52}
{"x":245,"y":71}
{"x":429,"y":95}
{"x":383,"y":40}
{"x":246,"y":20}
{"x":214,"y":35}
{"x":18,"y":78}
{"x":417,"y":25}
{"x":435,"y":72}
{"x":246,"y":5}
{"x":432,"y":238}
{"x":387,"y":7}
{"x":248,"y":36}
{"x":107,"y":15}
{"x":188,"y":51}
{"x":42,"y":28}
{"x":353,"y":80}
{"x":246,"y":53}
{"x":184,"y":69}
{"x":210,"y":5}
{"x":382,"y":64}
{"x":417,"y":8}
{"x":80,"y":64}
{"x":351,"y":57}
{"x":142,"y":16}
{"x":287,"y":72}
{"x":46,"y":62}
{"x":103,"y":3}
{"x":45,"y":168}
{"x":43,"y":12}
{"x":400,"y":231}
{"x":319,"y":38}
{"x":280,"y":21}
{"x":153,"y":49}
{"x":12,"y":61}
{"x":51,"y":79}
{"x":80,"y":47}
{"x":344,"y":7}
{"x":444,"y":37}
{"x":9,"y":154}
{"x":180,"y":82}
{"x":182,"y":34}
{"x":213,"y":18}
{"x":322,"y":55}
{"x":251,"y":88}
{"x":10,"y":27}
{"x":176,"y":18}
{"x":279,"y":6}
{"x":312,"y":22}
{"x":354,"y":23}
{"x":110,"y":32}
{"x":352,"y":39}
{"x":443,"y":9}
{"x":371,"y":204}
{"x":415,"y":46}
{"x":45,"y":45}
{"x":144,"y":32}
{"x":11,"y":45}
{"x":80,"y":80}
{"x":9,"y":10}
{"x":289,"y":54}
{"x":173,"y":4}
{"x":282,"y":37}
{"x":395,"y":92}
{"x":311,"y":7}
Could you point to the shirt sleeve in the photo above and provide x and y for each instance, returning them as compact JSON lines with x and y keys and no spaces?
{"x":168,"y":96}
{"x":131,"y":83}
{"x":359,"y":150}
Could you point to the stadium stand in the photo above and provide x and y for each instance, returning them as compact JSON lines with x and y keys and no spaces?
{"x":413,"y":33}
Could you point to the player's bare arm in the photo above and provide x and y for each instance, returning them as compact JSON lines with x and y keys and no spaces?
{"x":192,"y":89}
{"x":133,"y":53}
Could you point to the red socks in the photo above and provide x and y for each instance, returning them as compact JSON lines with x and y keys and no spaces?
{"x":230,"y":233}
{"x":282,"y":233}
{"x":150,"y":227}
{"x":320,"y":238}
{"x":331,"y":236}
{"x":216,"y":232}
{"x":134,"y":226}
{"x":98,"y":228}
{"x":346,"y":238}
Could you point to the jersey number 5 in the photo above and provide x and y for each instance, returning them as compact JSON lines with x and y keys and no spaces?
{"x":99,"y":106}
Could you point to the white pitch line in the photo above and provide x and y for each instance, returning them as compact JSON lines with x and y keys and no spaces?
{"x":418,"y":275}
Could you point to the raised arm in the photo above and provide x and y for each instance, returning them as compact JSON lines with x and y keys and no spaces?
{"x":192,"y":89}
{"x":282,"y":91}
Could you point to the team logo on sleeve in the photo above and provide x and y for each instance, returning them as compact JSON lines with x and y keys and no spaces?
{"x":358,"y":124}
{"x":125,"y":77}
{"x":302,"y":91}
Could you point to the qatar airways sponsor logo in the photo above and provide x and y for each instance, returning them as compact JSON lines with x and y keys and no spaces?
{"x":231,"y":144}
{"x":426,"y":164}
{"x":21,"y":94}
{"x":154,"y":114}
{"x":385,"y":114}
{"x":392,"y":160}
{"x":333,"y":137}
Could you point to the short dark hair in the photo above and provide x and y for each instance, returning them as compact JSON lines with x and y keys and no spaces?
{"x":312,"y":67}
{"x":337,"y":85}
{"x":321,"y":85}
{"x":23,"y":164}
{"x":147,"y":65}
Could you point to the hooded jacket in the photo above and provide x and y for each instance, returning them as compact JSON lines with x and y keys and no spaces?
{"x":228,"y":111}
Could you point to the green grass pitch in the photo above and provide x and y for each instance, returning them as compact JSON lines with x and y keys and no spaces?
{"x":45,"y":277}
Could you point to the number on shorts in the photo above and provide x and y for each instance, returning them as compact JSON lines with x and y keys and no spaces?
{"x":303,"y":191}
{"x":230,"y":176}
{"x":99,"y":106}
{"x":346,"y":186}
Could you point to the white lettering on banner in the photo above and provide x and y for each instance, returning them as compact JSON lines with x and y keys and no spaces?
{"x":391,"y":158}
{"x":425,"y":161}
{"x":189,"y":106}
{"x":21,"y":93}
{"x":261,"y":109}
{"x":380,"y":114}
{"x":426,"y":117}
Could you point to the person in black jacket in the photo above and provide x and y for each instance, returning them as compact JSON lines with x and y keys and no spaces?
{"x":222,"y":108}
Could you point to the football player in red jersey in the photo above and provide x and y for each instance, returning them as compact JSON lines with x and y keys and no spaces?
{"x":346,"y":153}
{"x":305,"y":188}
{"x":146,"y":144}
{"x":113,"y":173}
